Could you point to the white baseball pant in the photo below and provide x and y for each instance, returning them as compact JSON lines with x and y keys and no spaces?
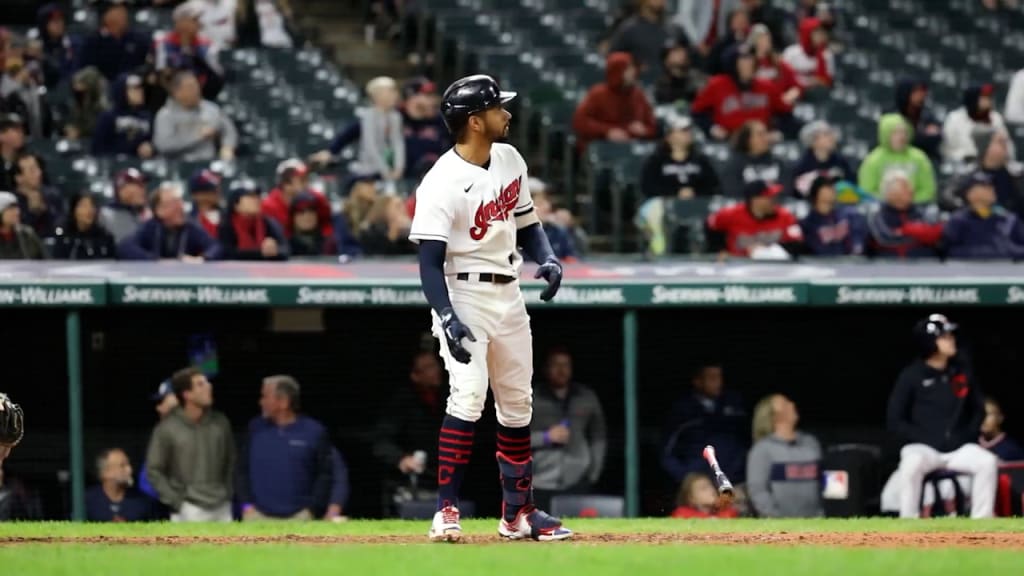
{"x":903,"y":490}
{"x":501,"y":355}
{"x":191,"y":513}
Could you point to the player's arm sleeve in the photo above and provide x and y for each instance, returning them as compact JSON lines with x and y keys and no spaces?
{"x":535,"y":243}
{"x":759,"y":479}
{"x":899,"y":406}
{"x":157,"y":464}
{"x":598,"y":442}
{"x":432,"y":254}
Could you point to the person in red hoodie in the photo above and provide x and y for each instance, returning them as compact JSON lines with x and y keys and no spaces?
{"x":698,"y":498}
{"x":759,"y":222}
{"x":292,"y":180}
{"x":731,"y":100}
{"x":811,"y":58}
{"x":772,"y":68}
{"x":616,"y":109}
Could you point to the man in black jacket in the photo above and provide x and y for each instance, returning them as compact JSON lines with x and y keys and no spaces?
{"x":936,"y":409}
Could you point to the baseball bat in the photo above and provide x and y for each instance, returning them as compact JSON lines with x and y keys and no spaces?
{"x":721,"y":480}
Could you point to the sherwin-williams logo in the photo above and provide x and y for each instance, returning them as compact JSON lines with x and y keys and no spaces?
{"x":44,"y":296}
{"x":730,"y":294}
{"x":571,"y":295}
{"x":198,"y":295}
{"x":1015,"y":295}
{"x":340,"y":296}
{"x":910,"y":295}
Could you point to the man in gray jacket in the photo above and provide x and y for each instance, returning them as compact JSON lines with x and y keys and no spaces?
{"x":784,"y":466}
{"x":189,"y":128}
{"x":568,"y":433}
{"x":191,"y":456}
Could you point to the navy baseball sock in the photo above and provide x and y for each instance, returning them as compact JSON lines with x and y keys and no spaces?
{"x":516,"y":468}
{"x":454,"y":446}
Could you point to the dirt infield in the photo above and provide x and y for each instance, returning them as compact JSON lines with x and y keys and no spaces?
{"x":987,"y":540}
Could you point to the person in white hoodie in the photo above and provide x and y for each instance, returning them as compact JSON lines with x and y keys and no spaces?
{"x":1015,"y":99}
{"x":978,"y":110}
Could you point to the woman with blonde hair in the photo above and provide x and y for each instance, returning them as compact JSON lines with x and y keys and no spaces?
{"x":783,"y":467}
{"x":698,"y":498}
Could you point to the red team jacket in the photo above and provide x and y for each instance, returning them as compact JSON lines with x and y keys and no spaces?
{"x":742,"y":230}
{"x":277,"y":207}
{"x":731,"y":107}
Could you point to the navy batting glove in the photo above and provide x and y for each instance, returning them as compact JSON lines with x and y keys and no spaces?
{"x":454,"y":332}
{"x":551,"y":271}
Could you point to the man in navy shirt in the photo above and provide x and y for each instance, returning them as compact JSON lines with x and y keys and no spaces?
{"x":114,"y":499}
{"x":115,"y":49}
{"x":286,"y":465}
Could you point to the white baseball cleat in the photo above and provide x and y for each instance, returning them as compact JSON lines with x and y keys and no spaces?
{"x":533,"y":523}
{"x":445,"y":527}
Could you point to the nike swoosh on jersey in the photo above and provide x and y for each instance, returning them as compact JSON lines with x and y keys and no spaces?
{"x":468,"y":187}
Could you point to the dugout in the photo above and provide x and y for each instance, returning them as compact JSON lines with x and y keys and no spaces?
{"x":85,"y":346}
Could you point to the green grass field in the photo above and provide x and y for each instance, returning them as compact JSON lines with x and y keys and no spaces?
{"x":321,"y":548}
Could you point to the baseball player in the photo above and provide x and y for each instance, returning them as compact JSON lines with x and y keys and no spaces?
{"x":12,"y":426}
{"x":473,"y":209}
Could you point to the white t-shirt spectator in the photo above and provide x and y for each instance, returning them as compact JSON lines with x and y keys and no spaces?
{"x":217,"y":21}
{"x":273,"y":33}
{"x":1015,"y":99}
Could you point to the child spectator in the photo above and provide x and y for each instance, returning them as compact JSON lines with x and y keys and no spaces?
{"x":115,"y":48}
{"x":757,"y":227}
{"x":680,"y":80}
{"x":42,"y":206}
{"x":169,"y":234}
{"x":784,"y":465}
{"x":820,"y":158}
{"x":128,"y":210}
{"x":204,"y":189}
{"x":245,"y":233}
{"x":616,"y":109}
{"x":292,"y":180}
{"x":898,"y":228}
{"x":698,"y":498}
{"x":831,"y":230}
{"x":736,"y":97}
{"x":308,"y":238}
{"x":894,"y":152}
{"x":188,"y":128}
{"x":994,"y":439}
{"x":17,"y":241}
{"x":81,"y":236}
{"x":982,"y":230}
{"x":978,"y":110}
{"x":912,"y":104}
{"x":771,"y":68}
{"x":125,"y":129}
{"x":811,"y":58}
{"x":752,"y":160}
{"x":381,"y":137}
{"x":89,"y":102}
{"x":58,"y":48}
{"x":386,"y":230}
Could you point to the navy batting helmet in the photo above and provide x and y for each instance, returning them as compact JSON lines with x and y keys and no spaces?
{"x":469,"y":95}
{"x":927,"y":331}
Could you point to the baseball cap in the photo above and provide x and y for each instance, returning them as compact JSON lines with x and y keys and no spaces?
{"x":976,"y":178}
{"x":203,"y":180}
{"x":162,"y":391}
{"x":10,"y":121}
{"x":761,"y":188}
{"x":987,"y":89}
{"x":129,"y":176}
{"x":304,"y":202}
{"x":289,"y":166}
{"x":133,"y":81}
{"x":419,"y":85}
{"x":7,"y":199}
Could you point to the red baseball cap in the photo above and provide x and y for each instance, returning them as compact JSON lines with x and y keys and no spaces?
{"x":762,"y":188}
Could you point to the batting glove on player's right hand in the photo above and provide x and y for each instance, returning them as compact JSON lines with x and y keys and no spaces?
{"x":550,"y":270}
{"x":454,"y":332}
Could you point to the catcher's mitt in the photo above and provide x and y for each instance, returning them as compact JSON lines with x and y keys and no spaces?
{"x":12,"y":422}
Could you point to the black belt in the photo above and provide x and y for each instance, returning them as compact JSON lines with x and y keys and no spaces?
{"x":486,"y":277}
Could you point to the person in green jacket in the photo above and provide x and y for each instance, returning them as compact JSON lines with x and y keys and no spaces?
{"x":894,"y":152}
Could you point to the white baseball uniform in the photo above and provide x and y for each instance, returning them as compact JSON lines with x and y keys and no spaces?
{"x":477,"y":212}
{"x":902,"y":492}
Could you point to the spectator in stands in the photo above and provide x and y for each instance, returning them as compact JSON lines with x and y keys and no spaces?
{"x":246,"y":233}
{"x":784,"y":465}
{"x":12,"y":141}
{"x":123,"y":216}
{"x":762,"y":12}
{"x":115,"y":48}
{"x":912,"y":104}
{"x":568,"y":433}
{"x":757,"y":227}
{"x":811,"y":58}
{"x":738,"y":31}
{"x":732,"y":99}
{"x":21,"y":93}
{"x":994,"y":439}
{"x":616,"y":109}
{"x":983,"y":230}
{"x":17,"y":241}
{"x":559,"y":232}
{"x":308,"y":238}
{"x":292,"y":180}
{"x":773,"y":69}
{"x":993,"y":159}
{"x":169,"y":234}
{"x":191,"y":456}
{"x":285,"y":466}
{"x":697,"y":498}
{"x":89,"y":102}
{"x":184,"y":48}
{"x":361,"y":198}
{"x":115,"y":499}
{"x":1014,"y":110}
{"x":407,"y":425}
{"x":899,"y":228}
{"x":831,"y":230}
{"x":993,"y":5}
{"x":381,"y":136}
{"x":204,"y":190}
{"x":820,"y":158}
{"x":265,"y":23}
{"x":426,"y":136}
{"x":703,"y":22}
{"x":708,"y":413}
{"x":752,"y":160}
{"x":42,"y":206}
{"x":894,"y":152}
{"x":386,"y":230}
{"x":644,"y":35}
{"x":126,"y":128}
{"x":935,"y":410}
{"x":218,"y":22}
{"x":58,"y":48}
{"x":188,"y":128}
{"x":81,"y":236}
{"x":978,"y":110}
{"x":680,"y":80}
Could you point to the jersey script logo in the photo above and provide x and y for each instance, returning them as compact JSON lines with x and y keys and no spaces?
{"x":497,"y":209}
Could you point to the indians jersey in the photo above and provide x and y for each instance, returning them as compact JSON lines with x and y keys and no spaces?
{"x":475,"y":209}
{"x":743,"y":231}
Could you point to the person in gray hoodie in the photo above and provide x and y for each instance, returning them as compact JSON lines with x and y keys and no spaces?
{"x":123,"y":216}
{"x":784,"y":466}
{"x":381,"y":135}
{"x":191,"y":457}
{"x":192,"y":129}
{"x":568,"y":433}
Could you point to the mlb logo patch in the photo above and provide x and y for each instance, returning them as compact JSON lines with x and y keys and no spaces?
{"x":837,"y":485}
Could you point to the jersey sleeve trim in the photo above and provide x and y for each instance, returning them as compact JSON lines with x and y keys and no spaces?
{"x":415,"y":237}
{"x":524,"y":209}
